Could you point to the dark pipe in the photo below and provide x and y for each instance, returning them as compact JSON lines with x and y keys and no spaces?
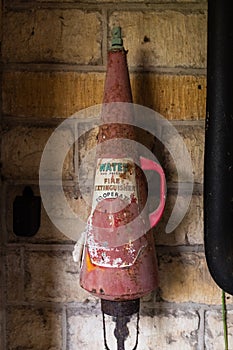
{"x":121,"y":311}
{"x":218,"y":167}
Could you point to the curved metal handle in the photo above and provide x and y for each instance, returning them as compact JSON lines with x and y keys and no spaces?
{"x":148,"y":164}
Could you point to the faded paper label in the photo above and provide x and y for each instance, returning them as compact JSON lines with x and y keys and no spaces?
{"x":115,"y":178}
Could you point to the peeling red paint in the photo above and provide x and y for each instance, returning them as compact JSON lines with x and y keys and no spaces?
{"x":128,"y":270}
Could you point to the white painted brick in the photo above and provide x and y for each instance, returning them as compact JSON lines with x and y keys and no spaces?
{"x":165,"y":330}
{"x":214,"y":334}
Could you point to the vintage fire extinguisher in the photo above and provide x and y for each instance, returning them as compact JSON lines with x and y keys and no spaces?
{"x":119,"y":260}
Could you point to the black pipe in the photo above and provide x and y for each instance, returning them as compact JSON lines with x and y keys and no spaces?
{"x":121,"y":311}
{"x":218,"y":160}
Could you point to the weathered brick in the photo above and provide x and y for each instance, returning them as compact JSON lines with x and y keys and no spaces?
{"x":58,"y":283}
{"x":2,"y":300}
{"x":9,"y":2}
{"x":22,"y":149}
{"x":168,"y":329}
{"x":2,"y":331}
{"x":46,"y":95}
{"x":190,"y":229}
{"x":149,"y":2}
{"x":193,"y":139}
{"x":185,"y":278}
{"x":14,"y":276}
{"x":48,"y":232}
{"x":43,"y":35}
{"x":163,"y":38}
{"x":85,"y":330}
{"x":68,"y":211}
{"x":214,"y":333}
{"x":32,"y":328}
{"x":179,"y":97}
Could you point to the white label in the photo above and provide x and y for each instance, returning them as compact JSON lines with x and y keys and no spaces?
{"x":115,"y":178}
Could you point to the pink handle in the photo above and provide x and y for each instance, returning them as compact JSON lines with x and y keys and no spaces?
{"x":147,"y":164}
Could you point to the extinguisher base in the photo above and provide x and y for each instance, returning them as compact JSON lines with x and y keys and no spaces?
{"x":120,"y":308}
{"x":121,"y":311}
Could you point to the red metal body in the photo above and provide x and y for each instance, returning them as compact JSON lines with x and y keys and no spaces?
{"x":115,"y":265}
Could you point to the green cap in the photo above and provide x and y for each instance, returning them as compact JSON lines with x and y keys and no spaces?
{"x":117,"y":42}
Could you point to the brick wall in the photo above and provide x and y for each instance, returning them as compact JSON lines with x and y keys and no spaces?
{"x":53,"y":65}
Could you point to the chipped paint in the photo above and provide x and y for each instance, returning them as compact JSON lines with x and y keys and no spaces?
{"x":119,"y":266}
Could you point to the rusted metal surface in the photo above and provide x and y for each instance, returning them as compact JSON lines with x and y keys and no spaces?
{"x":123,"y":308}
{"x":117,"y":84}
{"x":111,"y":269}
{"x":119,"y":261}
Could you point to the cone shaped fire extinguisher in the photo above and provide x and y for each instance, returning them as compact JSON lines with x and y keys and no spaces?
{"x":119,"y":260}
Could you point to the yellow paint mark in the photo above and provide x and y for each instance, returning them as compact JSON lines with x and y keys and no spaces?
{"x":90,"y":266}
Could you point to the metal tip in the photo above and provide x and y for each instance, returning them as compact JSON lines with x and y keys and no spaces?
{"x":117,"y":42}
